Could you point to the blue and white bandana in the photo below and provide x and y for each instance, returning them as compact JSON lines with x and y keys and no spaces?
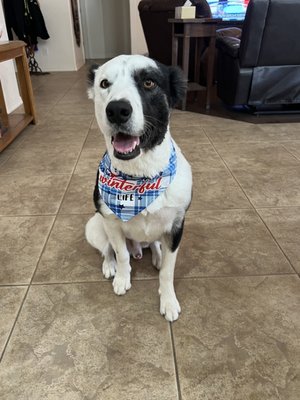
{"x":127,"y":195}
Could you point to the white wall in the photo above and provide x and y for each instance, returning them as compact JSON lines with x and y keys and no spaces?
{"x":7,"y":74}
{"x":138,"y":42}
{"x":60,"y":52}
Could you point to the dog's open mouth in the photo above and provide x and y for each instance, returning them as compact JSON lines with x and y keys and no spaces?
{"x":125,"y":146}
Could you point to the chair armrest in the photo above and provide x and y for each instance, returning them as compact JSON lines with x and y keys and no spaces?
{"x":231,"y":31}
{"x":229,"y":45}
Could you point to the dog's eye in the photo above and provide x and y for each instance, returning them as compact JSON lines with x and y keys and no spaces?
{"x":148,"y":84}
{"x":104,"y":84}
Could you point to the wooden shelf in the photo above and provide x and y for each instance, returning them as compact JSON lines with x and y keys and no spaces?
{"x":15,"y":123}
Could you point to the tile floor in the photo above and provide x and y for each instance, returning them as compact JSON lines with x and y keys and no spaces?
{"x":63,"y":332}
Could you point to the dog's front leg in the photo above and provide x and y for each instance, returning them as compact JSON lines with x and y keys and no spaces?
{"x":169,"y":306}
{"x":121,"y":282}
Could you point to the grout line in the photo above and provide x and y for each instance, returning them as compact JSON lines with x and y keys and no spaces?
{"x":151,"y":279}
{"x":175,"y":362}
{"x":253,"y":207}
{"x":292,"y":154}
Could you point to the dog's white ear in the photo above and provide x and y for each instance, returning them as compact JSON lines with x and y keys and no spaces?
{"x":178,"y":85}
{"x":91,"y":80}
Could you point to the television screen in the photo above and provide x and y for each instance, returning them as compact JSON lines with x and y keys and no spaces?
{"x":228,"y":10}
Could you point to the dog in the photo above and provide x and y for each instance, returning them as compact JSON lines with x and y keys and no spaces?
{"x":144,"y":183}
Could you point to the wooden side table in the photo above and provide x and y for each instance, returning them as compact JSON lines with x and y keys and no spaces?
{"x":15,"y":123}
{"x":186,"y":29}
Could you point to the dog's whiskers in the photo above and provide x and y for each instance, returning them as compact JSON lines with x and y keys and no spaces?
{"x":153,"y":118}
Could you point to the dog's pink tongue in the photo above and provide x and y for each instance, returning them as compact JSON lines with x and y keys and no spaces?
{"x":125,"y":143}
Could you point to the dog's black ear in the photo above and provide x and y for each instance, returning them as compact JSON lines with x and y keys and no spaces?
{"x":91,"y":79}
{"x":91,"y":74}
{"x":178,"y":85}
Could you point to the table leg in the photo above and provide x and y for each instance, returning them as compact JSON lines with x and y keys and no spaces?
{"x":174,"y":48}
{"x":25,"y":85}
{"x":210,"y":70}
{"x":185,"y":64}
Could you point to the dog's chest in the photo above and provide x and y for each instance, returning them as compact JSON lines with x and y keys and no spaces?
{"x":150,"y":226}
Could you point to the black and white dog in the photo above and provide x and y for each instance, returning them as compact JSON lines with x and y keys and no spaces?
{"x":144,"y":183}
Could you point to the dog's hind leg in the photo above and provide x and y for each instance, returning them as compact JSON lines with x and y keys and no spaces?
{"x":96,"y":236}
{"x":156,"y":254}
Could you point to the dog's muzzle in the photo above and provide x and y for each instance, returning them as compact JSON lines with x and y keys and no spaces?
{"x":126,"y":146}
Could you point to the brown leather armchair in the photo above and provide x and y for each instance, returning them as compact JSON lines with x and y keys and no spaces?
{"x":263,"y":66}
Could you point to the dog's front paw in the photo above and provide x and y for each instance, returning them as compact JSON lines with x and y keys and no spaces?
{"x":169,"y":307}
{"x":121,"y":284}
{"x":109,"y":268}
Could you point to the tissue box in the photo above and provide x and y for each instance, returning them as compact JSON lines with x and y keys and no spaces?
{"x":185,"y":12}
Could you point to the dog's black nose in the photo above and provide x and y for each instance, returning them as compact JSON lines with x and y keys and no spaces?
{"x":118,"y":112}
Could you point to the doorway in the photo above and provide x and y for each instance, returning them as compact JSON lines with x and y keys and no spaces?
{"x":105,"y":28}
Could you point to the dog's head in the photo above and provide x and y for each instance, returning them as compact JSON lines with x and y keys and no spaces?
{"x":133,"y":96}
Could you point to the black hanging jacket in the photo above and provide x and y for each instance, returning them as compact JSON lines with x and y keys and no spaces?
{"x":25,"y":18}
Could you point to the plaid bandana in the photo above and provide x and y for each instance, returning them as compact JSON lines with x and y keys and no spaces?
{"x":127,"y":195}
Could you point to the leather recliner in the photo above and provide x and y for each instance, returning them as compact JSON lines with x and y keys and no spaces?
{"x":263,"y":66}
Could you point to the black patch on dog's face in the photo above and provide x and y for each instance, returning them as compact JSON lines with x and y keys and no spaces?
{"x":169,"y":88}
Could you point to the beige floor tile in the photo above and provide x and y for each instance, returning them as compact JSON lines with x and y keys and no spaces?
{"x":92,"y":152}
{"x":216,"y":189}
{"x":202,"y":157}
{"x":22,"y":241}
{"x":284,"y":224}
{"x":293,"y":146}
{"x":241,"y":132}
{"x":267,"y":187}
{"x":31,"y":195}
{"x":61,"y":135}
{"x":74,"y":108}
{"x":82,"y":341}
{"x":69,"y":258}
{"x":239,"y":338}
{"x":191,"y":136}
{"x":231,"y":242}
{"x":79,"y":121}
{"x":184,"y":119}
{"x":10,"y":302}
{"x":43,"y":159}
{"x":256,"y":156}
{"x":79,"y":196}
{"x":284,"y":131}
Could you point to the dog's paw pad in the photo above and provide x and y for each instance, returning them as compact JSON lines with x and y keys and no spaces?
{"x":170,"y":308}
{"x":121,"y":284}
{"x":109,"y":269}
